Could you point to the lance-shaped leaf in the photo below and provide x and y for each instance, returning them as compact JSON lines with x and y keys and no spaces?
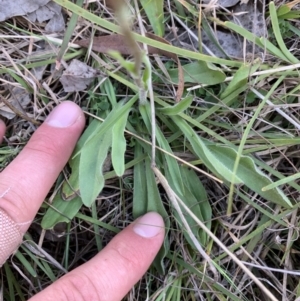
{"x":140,"y":200}
{"x":179,"y":107}
{"x":70,"y":188}
{"x":92,"y":157}
{"x":213,"y":162}
{"x":163,"y":143}
{"x":250,"y":175}
{"x":110,"y":120}
{"x":61,"y":211}
{"x":240,"y":78}
{"x":154,"y":203}
{"x":119,"y":145}
{"x":220,"y":160}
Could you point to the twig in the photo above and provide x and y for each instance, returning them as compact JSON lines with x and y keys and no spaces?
{"x":278,"y":110}
{"x":18,"y":112}
{"x":173,"y":198}
{"x":269,"y":71}
{"x":226,"y":250}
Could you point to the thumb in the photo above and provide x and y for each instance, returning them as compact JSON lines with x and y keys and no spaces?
{"x":115,"y":270}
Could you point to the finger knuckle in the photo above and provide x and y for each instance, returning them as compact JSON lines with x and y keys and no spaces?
{"x":79,"y":287}
{"x":126,"y":258}
{"x":43,"y":145}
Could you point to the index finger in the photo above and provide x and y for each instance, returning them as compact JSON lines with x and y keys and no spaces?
{"x":2,"y":130}
{"x":24,"y":184}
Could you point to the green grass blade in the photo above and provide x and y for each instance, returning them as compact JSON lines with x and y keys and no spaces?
{"x":110,"y":92}
{"x":12,"y":283}
{"x":178,"y":107}
{"x":139,"y":38}
{"x":68,"y":33}
{"x":278,"y":36}
{"x":261,"y":42}
{"x":25,"y":263}
{"x":215,"y":284}
{"x":97,"y":233}
{"x":283,"y":201}
{"x":250,"y":175}
{"x":39,"y":262}
{"x":281,"y":182}
{"x":206,"y":27}
{"x":97,"y":222}
{"x":240,"y":78}
{"x":226,"y":101}
{"x":155,"y":12}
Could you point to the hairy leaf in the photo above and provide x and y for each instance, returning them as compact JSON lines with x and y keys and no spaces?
{"x":92,"y":157}
{"x":61,"y":211}
{"x":199,"y":72}
{"x":154,"y":203}
{"x":119,"y":145}
{"x":179,"y":107}
{"x":250,"y":175}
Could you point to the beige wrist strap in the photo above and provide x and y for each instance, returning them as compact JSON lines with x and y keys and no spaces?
{"x":10,"y":236}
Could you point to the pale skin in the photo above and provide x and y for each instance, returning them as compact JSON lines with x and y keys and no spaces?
{"x":28,"y":179}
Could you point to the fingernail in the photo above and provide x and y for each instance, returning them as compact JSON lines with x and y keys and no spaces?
{"x":149,"y":225}
{"x":64,"y":115}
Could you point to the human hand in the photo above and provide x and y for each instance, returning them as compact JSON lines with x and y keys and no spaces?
{"x":24,"y":184}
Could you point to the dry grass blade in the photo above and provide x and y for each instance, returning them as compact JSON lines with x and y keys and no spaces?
{"x":121,"y":13}
{"x":67,"y":37}
{"x":104,"y":44}
{"x":260,"y":234}
{"x":173,"y":198}
{"x":117,"y":42}
{"x":18,"y":112}
{"x":230,"y":254}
